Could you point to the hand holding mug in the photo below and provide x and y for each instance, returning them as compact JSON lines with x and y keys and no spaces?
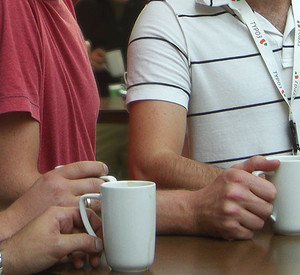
{"x":128,"y":214}
{"x":236,"y":203}
{"x":59,"y":187}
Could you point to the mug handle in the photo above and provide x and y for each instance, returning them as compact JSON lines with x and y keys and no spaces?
{"x":83,"y":214}
{"x":259,"y":173}
{"x":108,"y":178}
{"x":82,"y":208}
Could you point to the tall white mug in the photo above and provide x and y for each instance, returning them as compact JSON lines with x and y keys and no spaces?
{"x":286,"y":206}
{"x":115,"y":63}
{"x":128,"y":213}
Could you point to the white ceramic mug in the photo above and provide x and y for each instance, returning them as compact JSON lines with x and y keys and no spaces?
{"x":128,"y":213}
{"x":115,"y":63}
{"x":286,"y":206}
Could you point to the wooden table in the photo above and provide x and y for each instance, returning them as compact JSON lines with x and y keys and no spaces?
{"x":112,"y":110}
{"x":181,"y":255}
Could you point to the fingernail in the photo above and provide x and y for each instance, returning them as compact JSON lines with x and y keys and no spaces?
{"x":105,"y":168}
{"x":95,"y":262}
{"x":78,"y":263}
{"x":99,"y":245}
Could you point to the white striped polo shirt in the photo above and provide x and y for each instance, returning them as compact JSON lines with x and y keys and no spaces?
{"x":203,"y":58}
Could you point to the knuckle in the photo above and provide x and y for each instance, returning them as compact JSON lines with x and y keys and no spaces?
{"x":94,"y":184}
{"x":233,"y":175}
{"x":58,"y":188}
{"x":273,"y":193}
{"x":54,"y":183}
{"x":81,"y":166}
{"x":49,"y":178}
{"x":230,"y":210}
{"x":59,"y":244}
{"x":253,"y":161}
{"x":88,"y":241}
{"x":257,"y":158}
{"x":230,"y":228}
{"x":234,"y":194}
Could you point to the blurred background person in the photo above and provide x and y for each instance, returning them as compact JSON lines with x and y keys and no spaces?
{"x":106,"y":25}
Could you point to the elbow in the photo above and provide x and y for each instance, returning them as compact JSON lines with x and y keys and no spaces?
{"x":148,"y":169}
{"x":141,"y":165}
{"x":137,"y":171}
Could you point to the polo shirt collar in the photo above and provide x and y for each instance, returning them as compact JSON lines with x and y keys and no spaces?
{"x":288,"y":40}
{"x":214,"y":3}
{"x":217,"y":3}
{"x":290,"y":24}
{"x":287,"y":53}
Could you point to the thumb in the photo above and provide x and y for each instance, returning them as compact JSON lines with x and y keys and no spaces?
{"x":80,"y":242}
{"x":258,"y":163}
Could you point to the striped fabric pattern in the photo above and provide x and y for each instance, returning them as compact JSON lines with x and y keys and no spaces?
{"x":203,"y":58}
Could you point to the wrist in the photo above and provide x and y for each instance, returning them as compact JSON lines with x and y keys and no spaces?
{"x":175,"y":212}
{"x":12,"y":220}
{"x":194,"y":205}
{"x":6,"y":224}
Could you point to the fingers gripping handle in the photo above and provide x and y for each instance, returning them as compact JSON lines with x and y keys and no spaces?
{"x":259,"y":173}
{"x":82,"y":208}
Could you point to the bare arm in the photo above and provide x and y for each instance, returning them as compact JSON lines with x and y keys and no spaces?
{"x":157,"y":132}
{"x":230,"y":203}
{"x":234,"y":206}
{"x":19,"y":147}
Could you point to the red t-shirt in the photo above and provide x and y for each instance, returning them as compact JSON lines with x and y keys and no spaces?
{"x":45,"y":70}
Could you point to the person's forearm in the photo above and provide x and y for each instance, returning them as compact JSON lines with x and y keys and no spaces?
{"x":6,"y":228}
{"x":169,"y":170}
{"x":19,"y":147}
{"x":30,"y":205}
{"x":18,"y":213}
{"x":176,"y":213}
{"x":15,"y":188}
{"x":156,"y":139}
{"x":16,"y":216}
